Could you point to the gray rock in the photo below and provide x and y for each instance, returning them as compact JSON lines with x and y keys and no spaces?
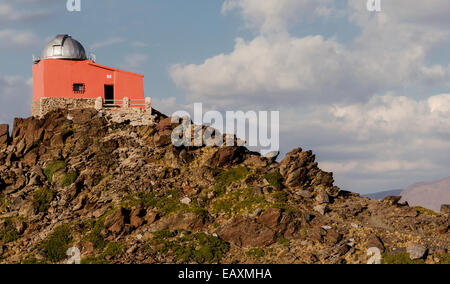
{"x":304,"y":193}
{"x":445,"y":209}
{"x":323,"y":198}
{"x":186,"y":201}
{"x":416,"y":251}
{"x":321,"y":209}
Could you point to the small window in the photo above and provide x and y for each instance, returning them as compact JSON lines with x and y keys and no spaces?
{"x":79,"y":88}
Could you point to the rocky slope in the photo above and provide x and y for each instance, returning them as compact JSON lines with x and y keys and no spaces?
{"x":124,"y":194}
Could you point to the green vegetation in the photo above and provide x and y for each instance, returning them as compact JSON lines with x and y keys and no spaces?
{"x":241,"y":200}
{"x":43,"y":197}
{"x":188,"y":247}
{"x":400,"y":258}
{"x":443,"y":258}
{"x":4,"y":202}
{"x":165,"y":203}
{"x":33,"y":260}
{"x":245,"y":200}
{"x":103,"y":181}
{"x":275,"y":179}
{"x":68,"y":178}
{"x":95,"y":235}
{"x":255,"y":253}
{"x":224,"y":179}
{"x":57,"y":244}
{"x":426,"y":211}
{"x":66,"y":128}
{"x":284,"y":242}
{"x":9,"y":234}
{"x":52,"y":168}
{"x":280,"y":196}
{"x":111,"y":250}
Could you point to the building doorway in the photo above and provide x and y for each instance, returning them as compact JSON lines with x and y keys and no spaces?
{"x":109,"y":94}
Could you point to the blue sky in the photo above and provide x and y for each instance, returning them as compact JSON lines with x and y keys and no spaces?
{"x":368,"y":92}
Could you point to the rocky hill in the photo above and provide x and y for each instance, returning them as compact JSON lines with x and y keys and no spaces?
{"x":124,"y":194}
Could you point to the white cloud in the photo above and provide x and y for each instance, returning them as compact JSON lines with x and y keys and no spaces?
{"x":16,"y":96}
{"x":327,"y":90}
{"x":389,"y":141}
{"x":134,"y":60}
{"x":10,"y":12}
{"x":283,"y":69}
{"x":270,"y":16}
{"x":10,"y":38}
{"x":107,"y":42}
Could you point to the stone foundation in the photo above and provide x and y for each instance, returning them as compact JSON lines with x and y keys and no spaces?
{"x":134,"y":115}
{"x":45,"y":105}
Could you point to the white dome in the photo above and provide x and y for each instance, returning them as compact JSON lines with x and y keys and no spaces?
{"x":64,"y":47}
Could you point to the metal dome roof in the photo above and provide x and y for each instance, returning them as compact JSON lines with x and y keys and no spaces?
{"x":64,"y":47}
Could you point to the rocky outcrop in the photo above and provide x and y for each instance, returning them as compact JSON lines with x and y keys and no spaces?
{"x":265,"y":230}
{"x":300,"y":170}
{"x":4,"y":135}
{"x":445,"y":209}
{"x":122,"y":193}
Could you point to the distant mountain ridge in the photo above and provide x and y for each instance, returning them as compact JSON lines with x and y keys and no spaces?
{"x":431,"y":195}
{"x":383,"y":194}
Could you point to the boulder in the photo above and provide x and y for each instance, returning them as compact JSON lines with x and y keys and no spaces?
{"x":137,"y":217}
{"x":416,"y":251}
{"x":375,"y":242}
{"x":322,"y":198}
{"x":244,"y":232}
{"x":179,"y":221}
{"x":28,"y":209}
{"x":4,"y":135}
{"x":391,"y":200}
{"x":299,"y":169}
{"x":227,"y":157}
{"x":445,"y":209}
{"x":321,"y":209}
{"x":115,"y":223}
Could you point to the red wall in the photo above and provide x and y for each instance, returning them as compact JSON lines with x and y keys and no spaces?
{"x":54,"y":78}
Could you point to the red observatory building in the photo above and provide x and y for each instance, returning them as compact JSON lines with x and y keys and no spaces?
{"x":64,"y":71}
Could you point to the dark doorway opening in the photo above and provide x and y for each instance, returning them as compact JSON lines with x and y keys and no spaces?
{"x":109,"y":94}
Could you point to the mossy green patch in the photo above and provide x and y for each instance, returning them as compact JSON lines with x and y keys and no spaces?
{"x":255,"y":253}
{"x":275,"y":179}
{"x":112,"y":249}
{"x":164,"y":203}
{"x":188,"y":247}
{"x":68,"y":178}
{"x":43,"y":197}
{"x":52,"y":168}
{"x":95,"y":235}
{"x":226,"y":178}
{"x":400,"y":258}
{"x":426,"y":211}
{"x":57,"y":244}
{"x":246,"y":200}
{"x":9,"y":234}
{"x":444,"y":258}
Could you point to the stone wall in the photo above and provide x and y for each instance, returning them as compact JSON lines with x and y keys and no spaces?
{"x":134,"y":115}
{"x":45,"y":105}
